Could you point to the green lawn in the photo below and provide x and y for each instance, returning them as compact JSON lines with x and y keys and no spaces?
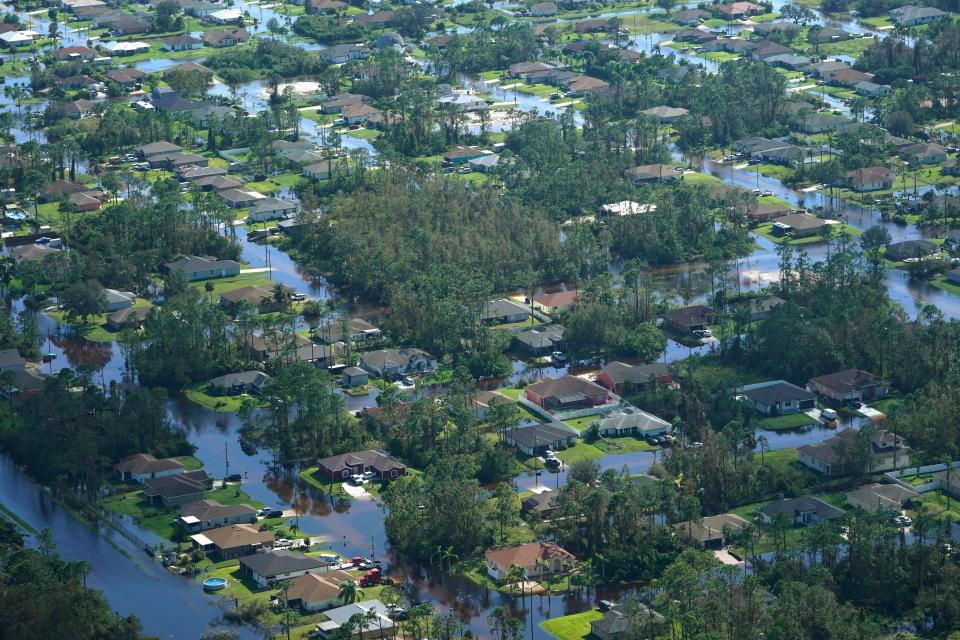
{"x":942,"y":283}
{"x":766,"y":230}
{"x":364,"y":134}
{"x":189,"y":462}
{"x":222,"y":285}
{"x":720,"y":56}
{"x":572,"y":627}
{"x":539,"y":90}
{"x":782,"y":423}
{"x":529,"y":322}
{"x":223,"y":404}
{"x":597,"y":450}
{"x":700,"y":178}
{"x":582,"y":423}
{"x":935,"y":503}
{"x":95,"y":328}
{"x":132,"y":504}
{"x":263,"y":186}
{"x":511,"y":392}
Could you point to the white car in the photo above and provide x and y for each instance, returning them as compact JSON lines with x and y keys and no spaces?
{"x":283,"y":542}
{"x":703,"y":333}
{"x":828,"y":414}
{"x":357,"y":479}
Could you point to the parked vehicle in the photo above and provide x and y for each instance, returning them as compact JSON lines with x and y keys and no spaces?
{"x":357,"y":479}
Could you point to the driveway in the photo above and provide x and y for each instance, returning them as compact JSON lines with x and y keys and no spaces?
{"x":354,"y":491}
{"x":871,"y":413}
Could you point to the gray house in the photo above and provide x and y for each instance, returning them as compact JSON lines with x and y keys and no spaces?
{"x":801,"y":511}
{"x":203,"y":267}
{"x":777,"y":397}
{"x":397,"y":362}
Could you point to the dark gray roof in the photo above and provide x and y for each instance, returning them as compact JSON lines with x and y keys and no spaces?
{"x":791,"y":507}
{"x":847,"y":380}
{"x":193,"y":264}
{"x":632,"y":418}
{"x":621,"y":372}
{"x":212,"y":510}
{"x":279,"y":562}
{"x":771,"y":393}
{"x":243,"y":378}
{"x":536,"y":435}
{"x":500,"y":308}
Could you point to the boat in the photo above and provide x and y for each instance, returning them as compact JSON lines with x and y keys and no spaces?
{"x":214,"y":584}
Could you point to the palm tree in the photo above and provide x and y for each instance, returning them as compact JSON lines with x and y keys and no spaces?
{"x":518,"y":575}
{"x":350,"y":591}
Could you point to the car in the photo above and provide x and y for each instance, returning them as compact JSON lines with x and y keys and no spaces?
{"x":856,"y":404}
{"x":464,"y":170}
{"x":828,"y":414}
{"x":558,"y":357}
{"x":766,"y":193}
{"x":233,"y":477}
{"x":130,"y":157}
{"x":679,"y":169}
{"x":283,"y":542}
{"x":695,"y":445}
{"x":357,"y":479}
{"x":398,"y":613}
{"x":275,"y":513}
{"x":756,"y":192}
{"x":653,"y":440}
{"x":606,"y":605}
{"x":553,"y":463}
{"x":702,"y":333}
{"x":369,"y":475}
{"x":555,"y":96}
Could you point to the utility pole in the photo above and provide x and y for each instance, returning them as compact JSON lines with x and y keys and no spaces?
{"x":226,"y":458}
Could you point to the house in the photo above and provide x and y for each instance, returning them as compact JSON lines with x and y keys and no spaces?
{"x":830,"y":457}
{"x":80,"y":82}
{"x":766,"y":49}
{"x":872,"y":89}
{"x":127,"y":78}
{"x":580,"y":86}
{"x":690,"y":16}
{"x":631,"y":422}
{"x":125,"y":48}
{"x":156,"y":149}
{"x":175,"y":490}
{"x":665,"y":114}
{"x":217,"y":184}
{"x":503,"y":311}
{"x":397,"y":362}
{"x":224,"y":16}
{"x":777,"y":398}
{"x":759,"y":212}
{"x":674,"y":74}
{"x":523,"y":69}
{"x":241,"y":198}
{"x":117,"y":300}
{"x":788,"y":61}
{"x":79,"y":109}
{"x":325,"y":6}
{"x":542,"y":506}
{"x":552,"y":303}
{"x":542,"y":340}
{"x":225,"y":37}
{"x":629,"y":378}
{"x":712,"y":531}
{"x":543,"y":9}
{"x":948,"y":481}
{"x":652,"y":173}
{"x":789,"y":30}
{"x":356,"y":329}
{"x":314,"y":592}
{"x":801,"y":511}
{"x":233,"y":541}
{"x":359,"y":113}
{"x":924,"y":153}
{"x":528,"y":557}
{"x":912,"y":15}
{"x":798,"y":225}
{"x":375,"y":616}
{"x":337,"y":103}
{"x":618,"y":624}
{"x":210,"y":514}
{"x":203,"y":267}
{"x":188,"y":67}
{"x":876,"y":497}
{"x":21,"y":38}
{"x":32,"y":252}
{"x":343,"y":466}
{"x":595,"y":25}
{"x":378,"y":20}
{"x":566,"y":393}
{"x":625,"y":208}
{"x":849,"y":77}
{"x":535,"y":439}
{"x":142,"y":466}
{"x":760,"y":308}
{"x":462,"y":154}
{"x":689,"y":319}
{"x":83,"y":54}
{"x":269,"y":568}
{"x":354,"y":377}
{"x":825,"y":34}
{"x":322,"y":170}
{"x":484,"y":164}
{"x":11,"y":360}
{"x":276,"y":345}
{"x":233,"y":384}
{"x":258,"y":299}
{"x":738,"y":9}
{"x":270,"y":208}
{"x":481,"y":402}
{"x":819,"y":122}
{"x":341,"y":53}
{"x":181,"y":43}
{"x":789,"y":155}
{"x":910,"y":249}
{"x":849,"y":384}
{"x":870,"y":179}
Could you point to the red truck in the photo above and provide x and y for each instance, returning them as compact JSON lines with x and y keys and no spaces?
{"x":371,"y":578}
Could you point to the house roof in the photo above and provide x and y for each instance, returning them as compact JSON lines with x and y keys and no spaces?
{"x":342,"y":615}
{"x":274,"y":563}
{"x":566,"y":384}
{"x":121,"y":316}
{"x":500,"y":308}
{"x":195,"y":264}
{"x":242,"y":378}
{"x":558,"y":299}
{"x":800,"y":221}
{"x":792,"y":507}
{"x":368,"y":458}
{"x":711,"y":527}
{"x":213,"y":37}
{"x":632,"y":418}
{"x":923,"y":150}
{"x":665,"y":112}
{"x":359,"y":109}
{"x":155,"y":148}
{"x":11,"y":358}
{"x":541,"y":501}
{"x":770,"y":393}
{"x":526,"y":555}
{"x":401,"y":357}
{"x":620,"y":372}
{"x":847,"y":380}
{"x":910,"y":249}
{"x":886,"y":495}
{"x":871,"y":175}
{"x":541,"y":337}
{"x":212,"y":510}
{"x":183,"y":484}
{"x":536,"y":435}
{"x":317,"y":587}
{"x":237,"y":535}
{"x":690,"y":316}
{"x":146,"y":463}
{"x":828,"y":451}
{"x":269,"y":204}
{"x":909,"y":13}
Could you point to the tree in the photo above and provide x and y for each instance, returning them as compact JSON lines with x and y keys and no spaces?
{"x":84,"y":299}
{"x":585,"y":471}
{"x":666,"y":5}
{"x":350,"y":591}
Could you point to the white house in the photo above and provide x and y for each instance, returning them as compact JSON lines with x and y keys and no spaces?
{"x":117,"y":300}
{"x":269,"y":568}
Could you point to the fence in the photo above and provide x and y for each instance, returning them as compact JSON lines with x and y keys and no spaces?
{"x":896,"y":477}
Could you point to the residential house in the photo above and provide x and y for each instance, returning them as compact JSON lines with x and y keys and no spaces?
{"x":523,"y":69}
{"x":924,"y":153}
{"x":20,"y":38}
{"x":156,"y":150}
{"x":875,"y":497}
{"x":117,"y":300}
{"x":558,"y":302}
{"x":127,"y":78}
{"x":788,"y":61}
{"x":267,"y":569}
{"x":224,"y":16}
{"x":11,"y":360}
{"x":324,"y":6}
{"x":341,"y":53}
{"x":503,"y":311}
{"x":712,"y":531}
{"x":849,"y":77}
{"x":788,"y":155}
{"x":798,"y":225}
{"x":385,"y":363}
{"x":664,"y":114}
{"x":83,"y":54}
{"x":210,"y":514}
{"x":484,"y":164}
{"x":461,"y":154}
{"x":787,"y":30}
{"x":566,"y":393}
{"x":912,"y":15}
{"x":760,"y":212}
{"x":241,"y":198}
{"x":203,"y":267}
{"x":653,"y":173}
{"x":357,"y":330}
{"x":760,"y":308}
{"x":801,"y":511}
{"x":181,"y":43}
{"x":849,"y":384}
{"x":233,"y":384}
{"x":270,"y":208}
{"x":870,"y":179}
{"x":79,"y":109}
{"x":595,"y":25}
{"x":259,"y":299}
{"x":738,"y":10}
{"x":618,"y":624}
{"x":543,"y":9}
{"x":175,"y":490}
{"x":131,"y":317}
{"x":675,"y":74}
{"x":535,"y":439}
{"x":337,"y":103}
{"x":544,"y":339}
{"x":581,"y":86}
{"x":689,"y":16}
{"x":225,"y":37}
{"x":872,"y":89}
{"x":825,"y":34}
{"x":689,"y":319}
{"x":354,"y":377}
{"x":341,"y":467}
{"x":625,"y":208}
{"x":125,"y":48}
{"x":529,"y":557}
{"x":910,"y":250}
{"x":766,"y":49}
{"x":541,"y":506}
{"x":359,"y":113}
{"x":233,"y":541}
{"x":271,"y":346}
{"x":629,"y":378}
{"x":696,"y":36}
{"x":631,"y":422}
{"x":948,"y":481}
{"x":192,"y":68}
{"x":378,"y":20}
{"x":819,"y":122}
{"x":32,"y":252}
{"x":314,"y":592}
{"x":831,"y":457}
{"x":142,"y":466}
{"x":376,"y":624}
{"x":777,"y":397}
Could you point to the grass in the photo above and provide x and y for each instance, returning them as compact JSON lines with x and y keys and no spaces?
{"x":582,"y":423}
{"x":944,"y":284}
{"x":95,"y":328}
{"x":597,"y":450}
{"x":935,"y":504}
{"x":539,"y":90}
{"x":783,"y":423}
{"x":700,"y":178}
{"x":364,"y":134}
{"x":189,"y":463}
{"x":222,"y":404}
{"x":222,"y":285}
{"x":766,"y":231}
{"x":720,"y":56}
{"x":133,"y":505}
{"x":512,"y":393}
{"x":572,"y":627}
{"x":263,"y":186}
{"x":529,"y":322}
